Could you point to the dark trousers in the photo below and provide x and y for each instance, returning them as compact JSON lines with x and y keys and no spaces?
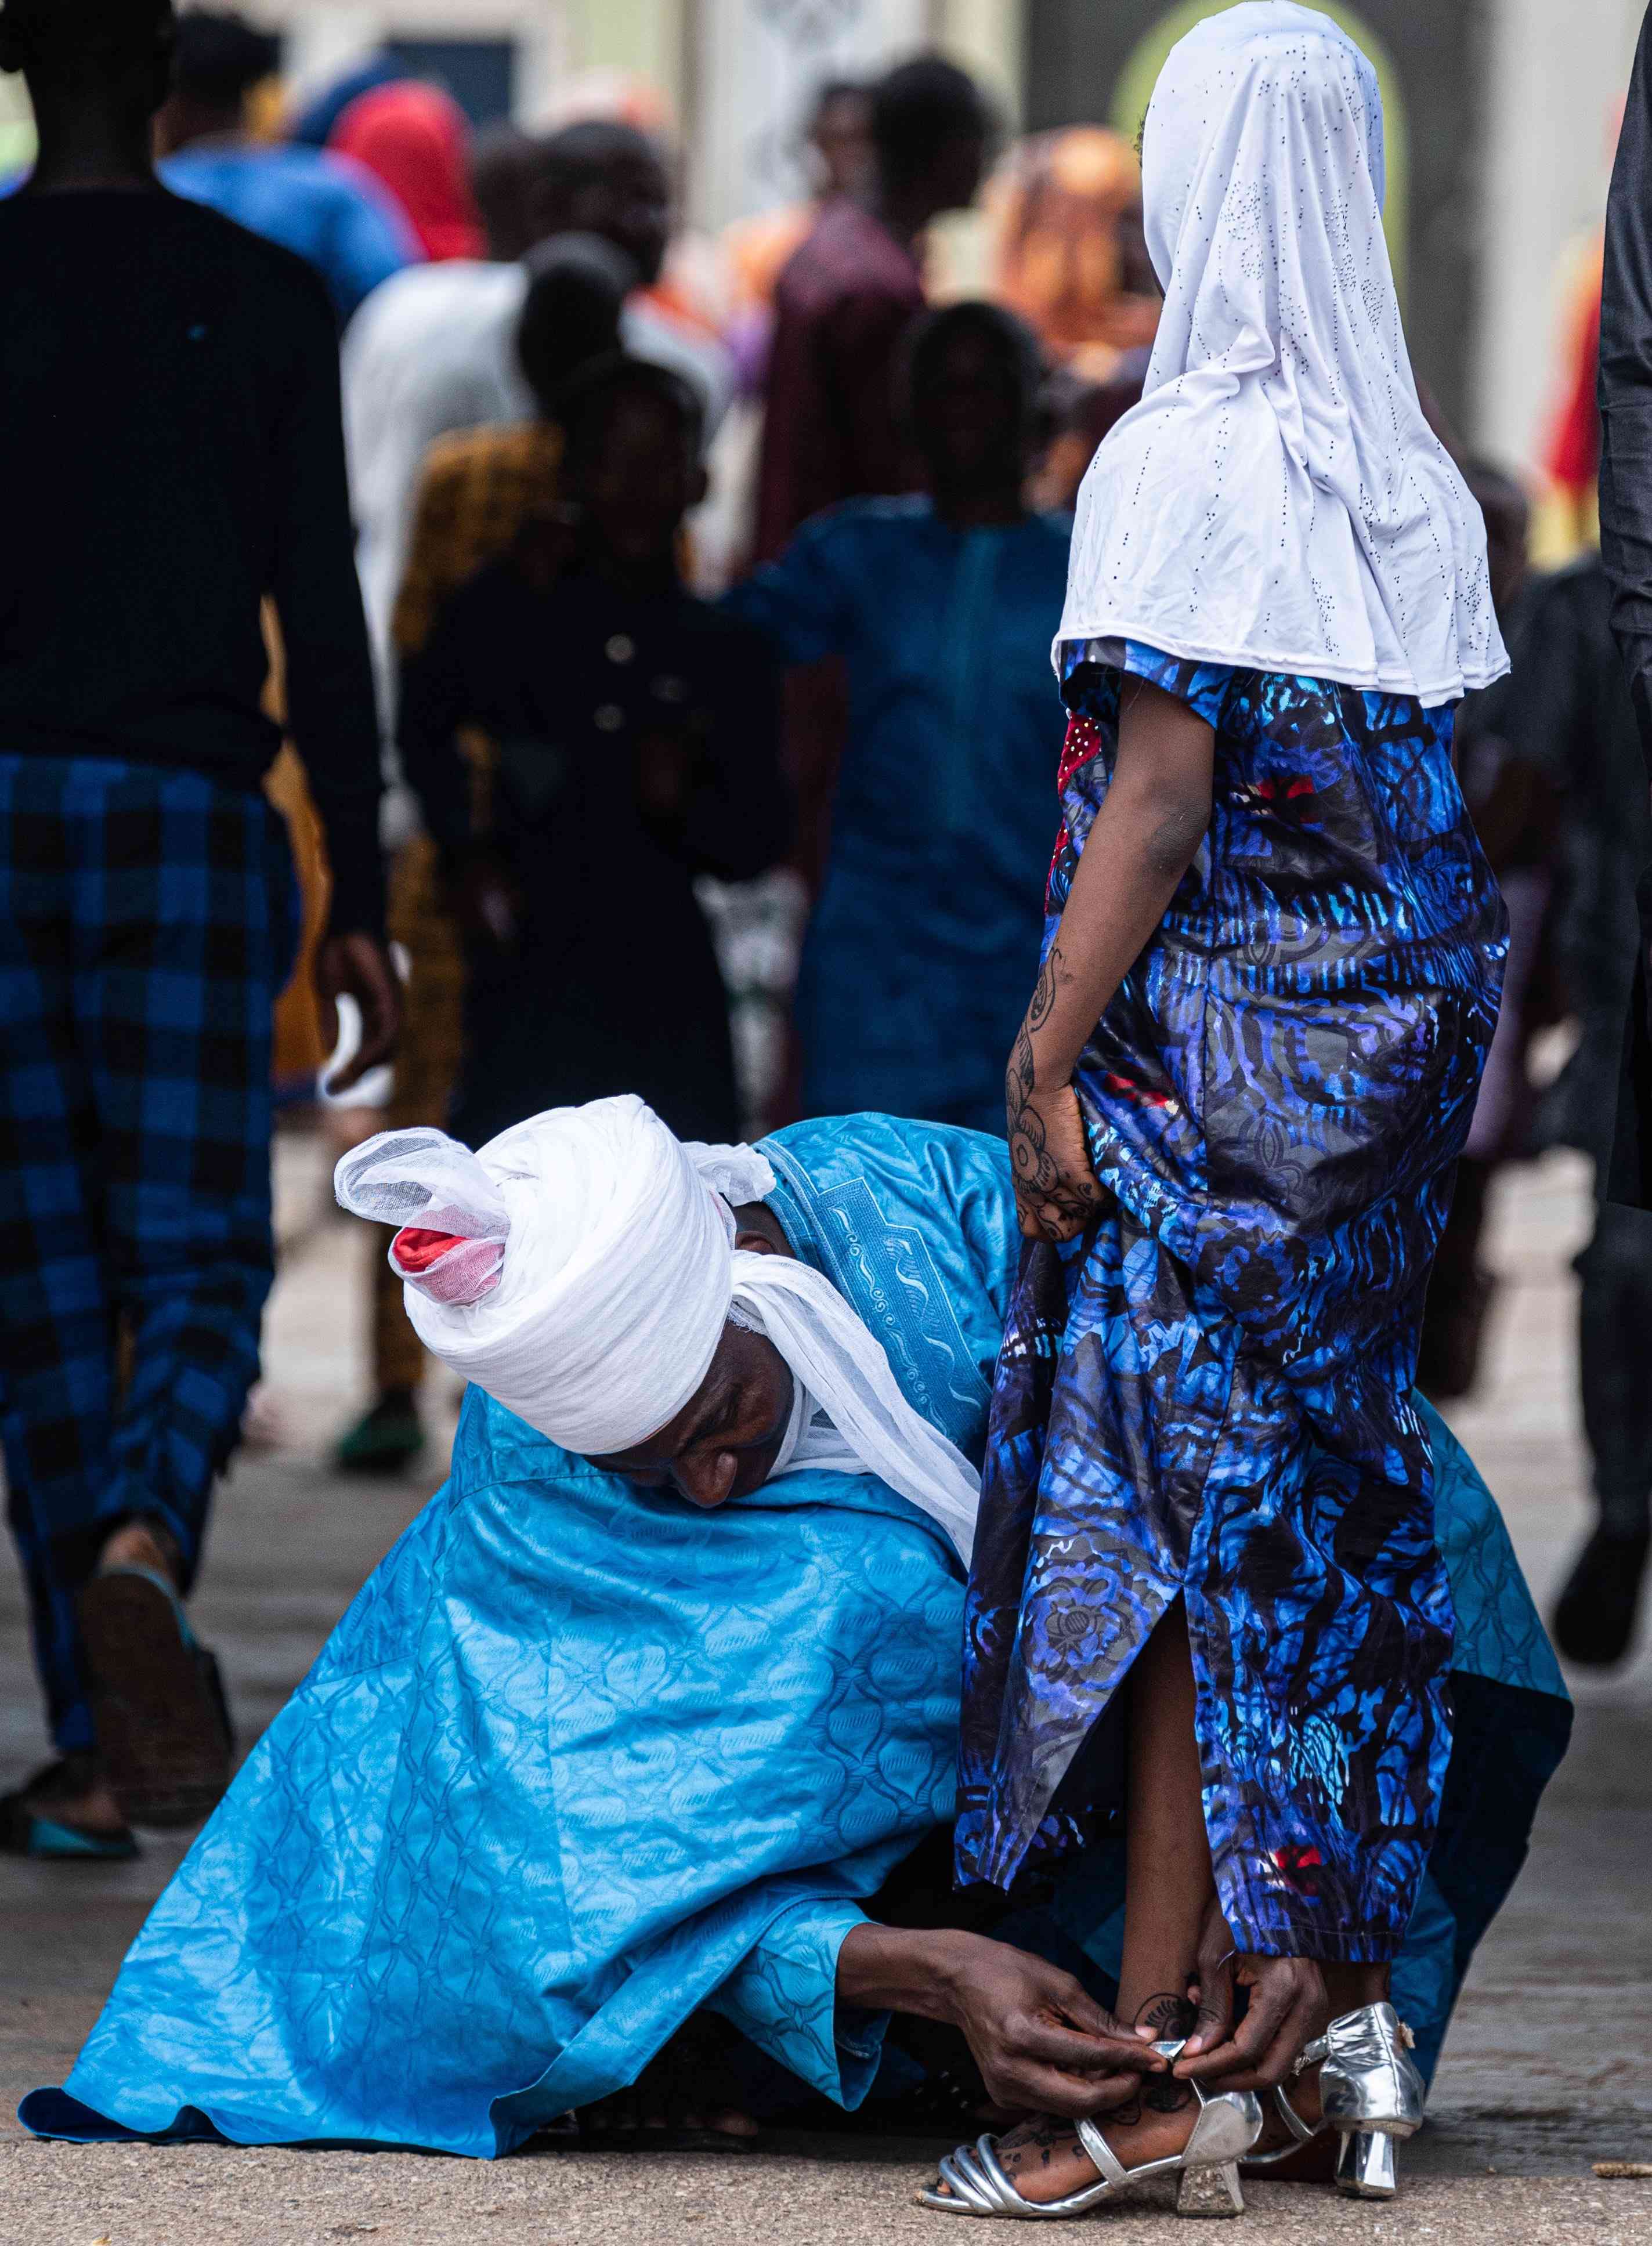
{"x":146,"y":926}
{"x":1615,"y":1352}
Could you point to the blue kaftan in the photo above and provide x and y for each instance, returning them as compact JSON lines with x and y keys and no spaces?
{"x":581,"y":1758}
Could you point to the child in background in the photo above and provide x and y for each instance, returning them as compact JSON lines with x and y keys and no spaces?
{"x":633,"y":732}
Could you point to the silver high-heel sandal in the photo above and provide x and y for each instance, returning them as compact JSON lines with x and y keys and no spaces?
{"x":1369,"y":2092}
{"x":1229,"y":2125}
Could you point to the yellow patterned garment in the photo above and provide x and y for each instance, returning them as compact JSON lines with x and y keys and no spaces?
{"x":479,"y":487}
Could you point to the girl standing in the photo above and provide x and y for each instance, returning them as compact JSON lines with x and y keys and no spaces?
{"x":1271,"y":969}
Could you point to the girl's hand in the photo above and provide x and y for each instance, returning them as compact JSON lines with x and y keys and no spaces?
{"x":1058,"y":1193}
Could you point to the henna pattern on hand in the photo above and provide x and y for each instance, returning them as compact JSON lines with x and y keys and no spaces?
{"x":1040,"y":1184}
{"x":1168,"y":2015}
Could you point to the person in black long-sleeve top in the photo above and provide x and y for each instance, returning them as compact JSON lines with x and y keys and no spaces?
{"x":1609,"y":1573}
{"x":632,"y":734}
{"x":1625,"y":537}
{"x":171,"y":457}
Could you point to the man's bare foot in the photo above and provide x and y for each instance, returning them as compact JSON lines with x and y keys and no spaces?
{"x":143,"y":1544}
{"x":75,"y":1793}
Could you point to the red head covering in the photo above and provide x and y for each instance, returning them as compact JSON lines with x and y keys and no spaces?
{"x":417,"y":141}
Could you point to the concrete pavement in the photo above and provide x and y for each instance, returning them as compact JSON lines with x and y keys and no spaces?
{"x":1547,"y":2068}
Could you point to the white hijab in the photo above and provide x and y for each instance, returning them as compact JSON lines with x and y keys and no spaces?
{"x":590,"y":1274}
{"x":1276,"y":501}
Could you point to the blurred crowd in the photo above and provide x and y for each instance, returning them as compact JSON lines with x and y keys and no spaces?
{"x":710,"y":587}
{"x":770,"y":623}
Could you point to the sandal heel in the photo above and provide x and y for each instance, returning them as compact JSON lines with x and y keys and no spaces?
{"x":1210,"y":2191}
{"x":1367,"y":2165}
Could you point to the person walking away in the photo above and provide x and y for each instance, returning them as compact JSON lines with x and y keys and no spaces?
{"x":841,"y":306}
{"x":1626,"y":556}
{"x":415,"y":140}
{"x":836,"y":154}
{"x":480,"y":491}
{"x":1516,"y":816}
{"x":1572,"y":718}
{"x":918,"y":956}
{"x":634,"y":738}
{"x":171,"y":381}
{"x":332,"y":212}
{"x":435,"y":351}
{"x":1206,"y":1579}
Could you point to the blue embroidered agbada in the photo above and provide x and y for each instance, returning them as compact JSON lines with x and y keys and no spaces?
{"x":580,"y":1759}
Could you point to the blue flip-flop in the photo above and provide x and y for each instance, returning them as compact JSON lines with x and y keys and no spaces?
{"x":27,"y":1828}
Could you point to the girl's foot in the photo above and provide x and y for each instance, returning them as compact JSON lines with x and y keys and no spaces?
{"x":1044,"y":2160}
{"x":1043,"y":2156}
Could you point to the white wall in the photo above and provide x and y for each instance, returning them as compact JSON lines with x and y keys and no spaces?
{"x":759,"y":62}
{"x":1558,"y":71}
{"x":323,"y":37}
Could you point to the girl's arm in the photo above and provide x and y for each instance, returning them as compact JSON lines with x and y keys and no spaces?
{"x":1144,"y":837}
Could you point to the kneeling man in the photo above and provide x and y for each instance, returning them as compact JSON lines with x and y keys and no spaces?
{"x":642,"y":1714}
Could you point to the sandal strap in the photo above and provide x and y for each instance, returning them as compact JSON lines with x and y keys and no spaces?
{"x":1107,"y":2161}
{"x":1304,"y":2132}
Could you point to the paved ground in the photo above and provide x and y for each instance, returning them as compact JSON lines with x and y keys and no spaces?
{"x":1548,"y":2068}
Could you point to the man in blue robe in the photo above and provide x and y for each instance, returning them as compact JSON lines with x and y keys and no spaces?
{"x":595,"y":1751}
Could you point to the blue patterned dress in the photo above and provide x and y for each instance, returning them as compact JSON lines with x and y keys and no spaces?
{"x":1208,"y":1395}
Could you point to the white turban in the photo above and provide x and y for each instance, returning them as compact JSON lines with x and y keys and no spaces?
{"x":581,"y":1268}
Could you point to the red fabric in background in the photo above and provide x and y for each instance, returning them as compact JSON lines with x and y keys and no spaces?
{"x":1573,"y":459}
{"x":416,"y":141}
{"x":843,"y":302}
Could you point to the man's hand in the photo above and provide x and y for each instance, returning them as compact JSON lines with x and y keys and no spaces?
{"x":1042,"y":2044}
{"x":1289,"y":2006}
{"x":360,"y":966}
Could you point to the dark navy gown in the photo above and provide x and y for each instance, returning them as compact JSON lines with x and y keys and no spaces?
{"x":1208,"y":1395}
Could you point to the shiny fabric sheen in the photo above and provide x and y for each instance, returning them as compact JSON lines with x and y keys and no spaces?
{"x":579,"y":1759}
{"x":1209,"y":1394}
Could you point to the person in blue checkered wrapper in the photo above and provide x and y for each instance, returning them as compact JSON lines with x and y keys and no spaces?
{"x":171,"y":457}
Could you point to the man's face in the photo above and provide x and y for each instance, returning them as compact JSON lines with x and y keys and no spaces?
{"x":628,"y":202}
{"x":640,"y":481}
{"x":724,"y":1440}
{"x":970,"y":419}
{"x":841,"y":143}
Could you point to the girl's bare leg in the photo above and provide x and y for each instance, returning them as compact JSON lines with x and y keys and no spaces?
{"x":1169,"y":1886}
